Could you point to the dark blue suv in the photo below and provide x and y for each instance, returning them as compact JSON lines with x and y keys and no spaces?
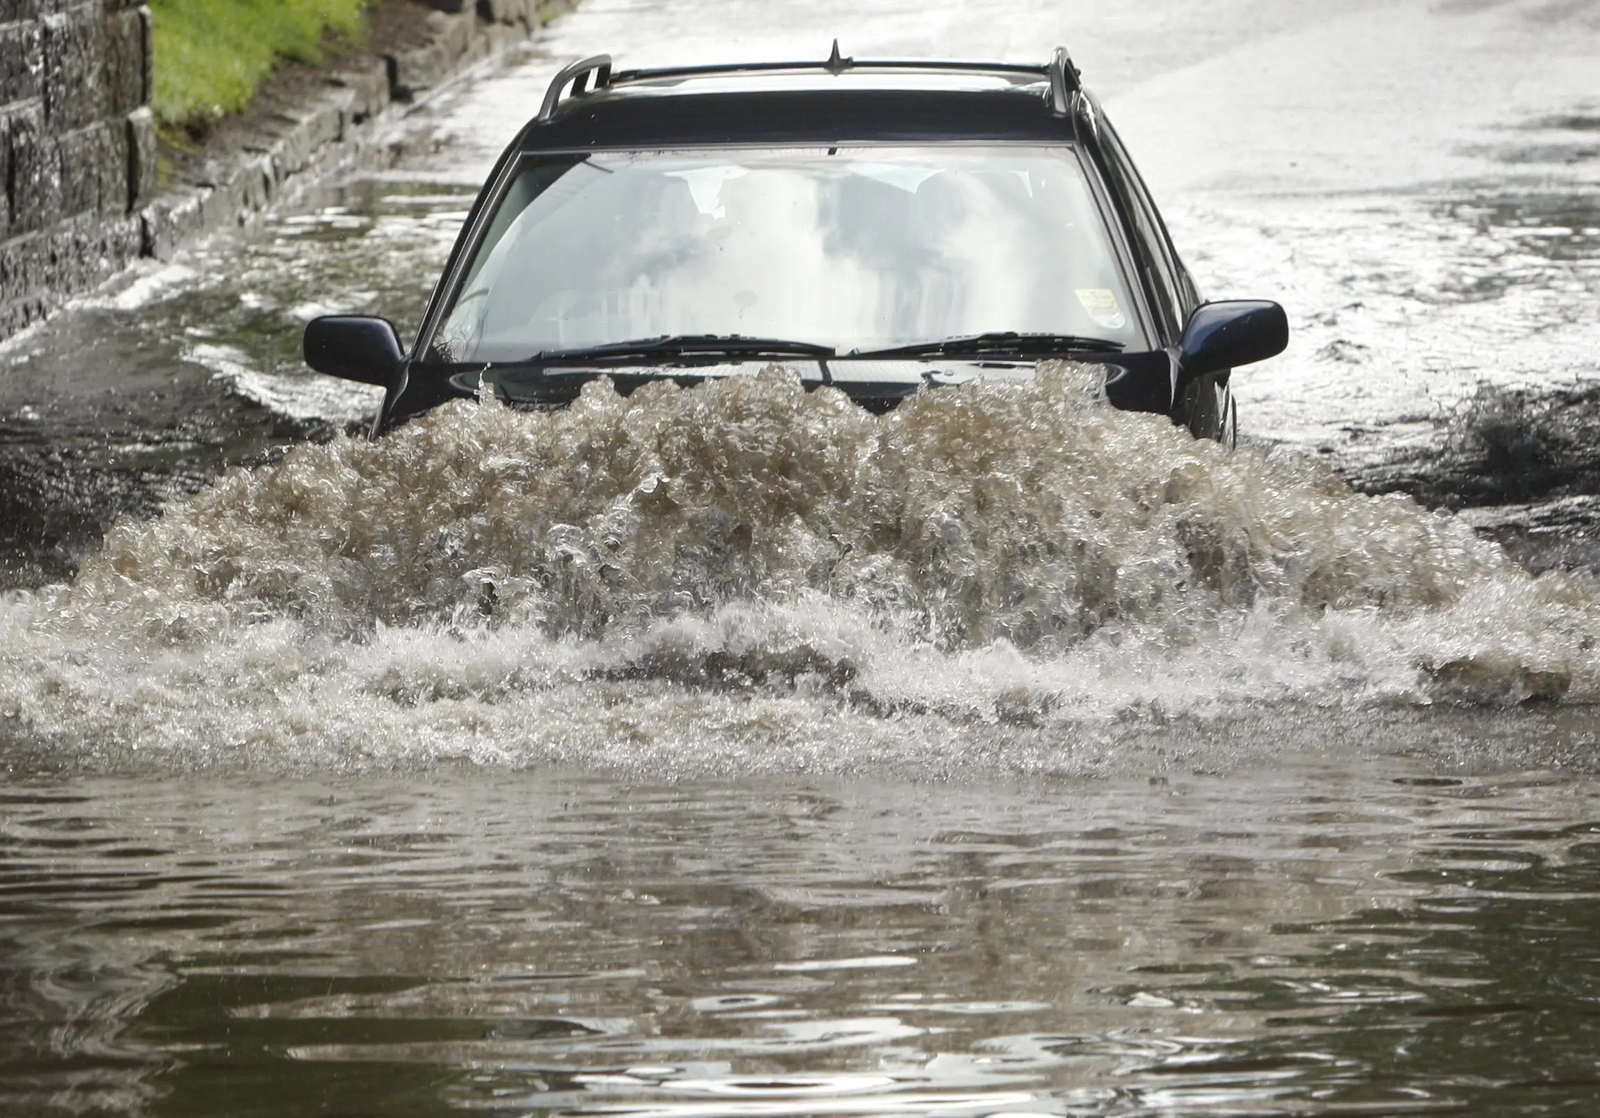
{"x":881,"y":227}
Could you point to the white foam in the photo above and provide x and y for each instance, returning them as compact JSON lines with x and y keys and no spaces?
{"x":746,"y":576}
{"x":296,"y":396}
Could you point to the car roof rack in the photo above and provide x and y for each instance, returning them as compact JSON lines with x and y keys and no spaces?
{"x":1063,"y":75}
{"x":576,"y":75}
{"x":1064,"y":81}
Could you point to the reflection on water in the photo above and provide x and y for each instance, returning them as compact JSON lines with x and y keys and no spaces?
{"x":1332,"y":939}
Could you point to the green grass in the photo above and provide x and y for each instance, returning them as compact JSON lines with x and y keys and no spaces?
{"x":211,"y":55}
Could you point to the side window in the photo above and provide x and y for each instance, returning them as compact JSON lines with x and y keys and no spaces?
{"x":1166,"y":279}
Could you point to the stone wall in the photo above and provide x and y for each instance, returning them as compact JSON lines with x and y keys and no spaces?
{"x":77,"y":147}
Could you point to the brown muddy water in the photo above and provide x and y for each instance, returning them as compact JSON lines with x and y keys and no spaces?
{"x":1326,"y":936}
{"x":732,"y":752}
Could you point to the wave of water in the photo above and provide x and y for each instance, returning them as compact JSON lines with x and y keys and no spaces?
{"x":745,"y":575}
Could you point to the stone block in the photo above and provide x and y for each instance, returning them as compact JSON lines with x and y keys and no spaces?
{"x":369,"y":89}
{"x":262,"y":170}
{"x":124,"y":62}
{"x":499,"y":36}
{"x":418,"y":69}
{"x":21,"y":62}
{"x":292,"y":153}
{"x":309,"y":134}
{"x":217,"y":209}
{"x":456,"y":37}
{"x":170,"y":222}
{"x":93,"y":169}
{"x":215,"y":213}
{"x":76,"y":91}
{"x":255,"y":184}
{"x":19,"y":316}
{"x":326,"y":123}
{"x":38,"y":269}
{"x":5,"y":176}
{"x":33,"y":172}
{"x":141,"y":146}
{"x":19,"y":264}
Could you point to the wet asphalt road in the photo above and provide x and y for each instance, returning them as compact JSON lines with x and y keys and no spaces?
{"x":1419,"y":183}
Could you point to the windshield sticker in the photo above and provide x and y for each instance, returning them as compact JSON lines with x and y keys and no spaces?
{"x":1101,"y":305}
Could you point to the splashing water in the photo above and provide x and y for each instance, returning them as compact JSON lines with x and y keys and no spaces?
{"x":746,"y":575}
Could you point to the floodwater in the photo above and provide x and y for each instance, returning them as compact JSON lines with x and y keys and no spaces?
{"x":734,"y":752}
{"x":1366,"y":940}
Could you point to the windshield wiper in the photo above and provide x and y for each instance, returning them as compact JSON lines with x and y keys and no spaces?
{"x":997,"y":343}
{"x":694,"y":347}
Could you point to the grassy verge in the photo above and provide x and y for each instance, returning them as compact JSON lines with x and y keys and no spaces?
{"x":211,"y":55}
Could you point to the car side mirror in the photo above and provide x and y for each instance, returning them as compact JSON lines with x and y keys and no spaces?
{"x":354,"y":347}
{"x":1223,"y":335}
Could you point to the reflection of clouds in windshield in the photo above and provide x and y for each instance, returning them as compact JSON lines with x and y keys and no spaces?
{"x":907,"y":178}
{"x":745,"y":273}
{"x":905,"y":245}
{"x":705,"y":185}
{"x":1021,"y":269}
{"x":773,"y":248}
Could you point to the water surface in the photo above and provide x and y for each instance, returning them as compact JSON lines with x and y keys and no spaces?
{"x":1327,"y":938}
{"x":734,"y":752}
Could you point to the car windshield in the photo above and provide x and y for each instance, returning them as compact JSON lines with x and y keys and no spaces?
{"x":854,"y":249}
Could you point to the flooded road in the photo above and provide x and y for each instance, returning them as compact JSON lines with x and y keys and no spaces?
{"x":1377,"y":940}
{"x":1416,"y":182}
{"x":736,"y":752}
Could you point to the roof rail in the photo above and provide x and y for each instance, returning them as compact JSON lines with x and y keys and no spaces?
{"x":1064,"y":76}
{"x":578,"y":74}
{"x":837,"y":64}
{"x":1064,"y":80}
